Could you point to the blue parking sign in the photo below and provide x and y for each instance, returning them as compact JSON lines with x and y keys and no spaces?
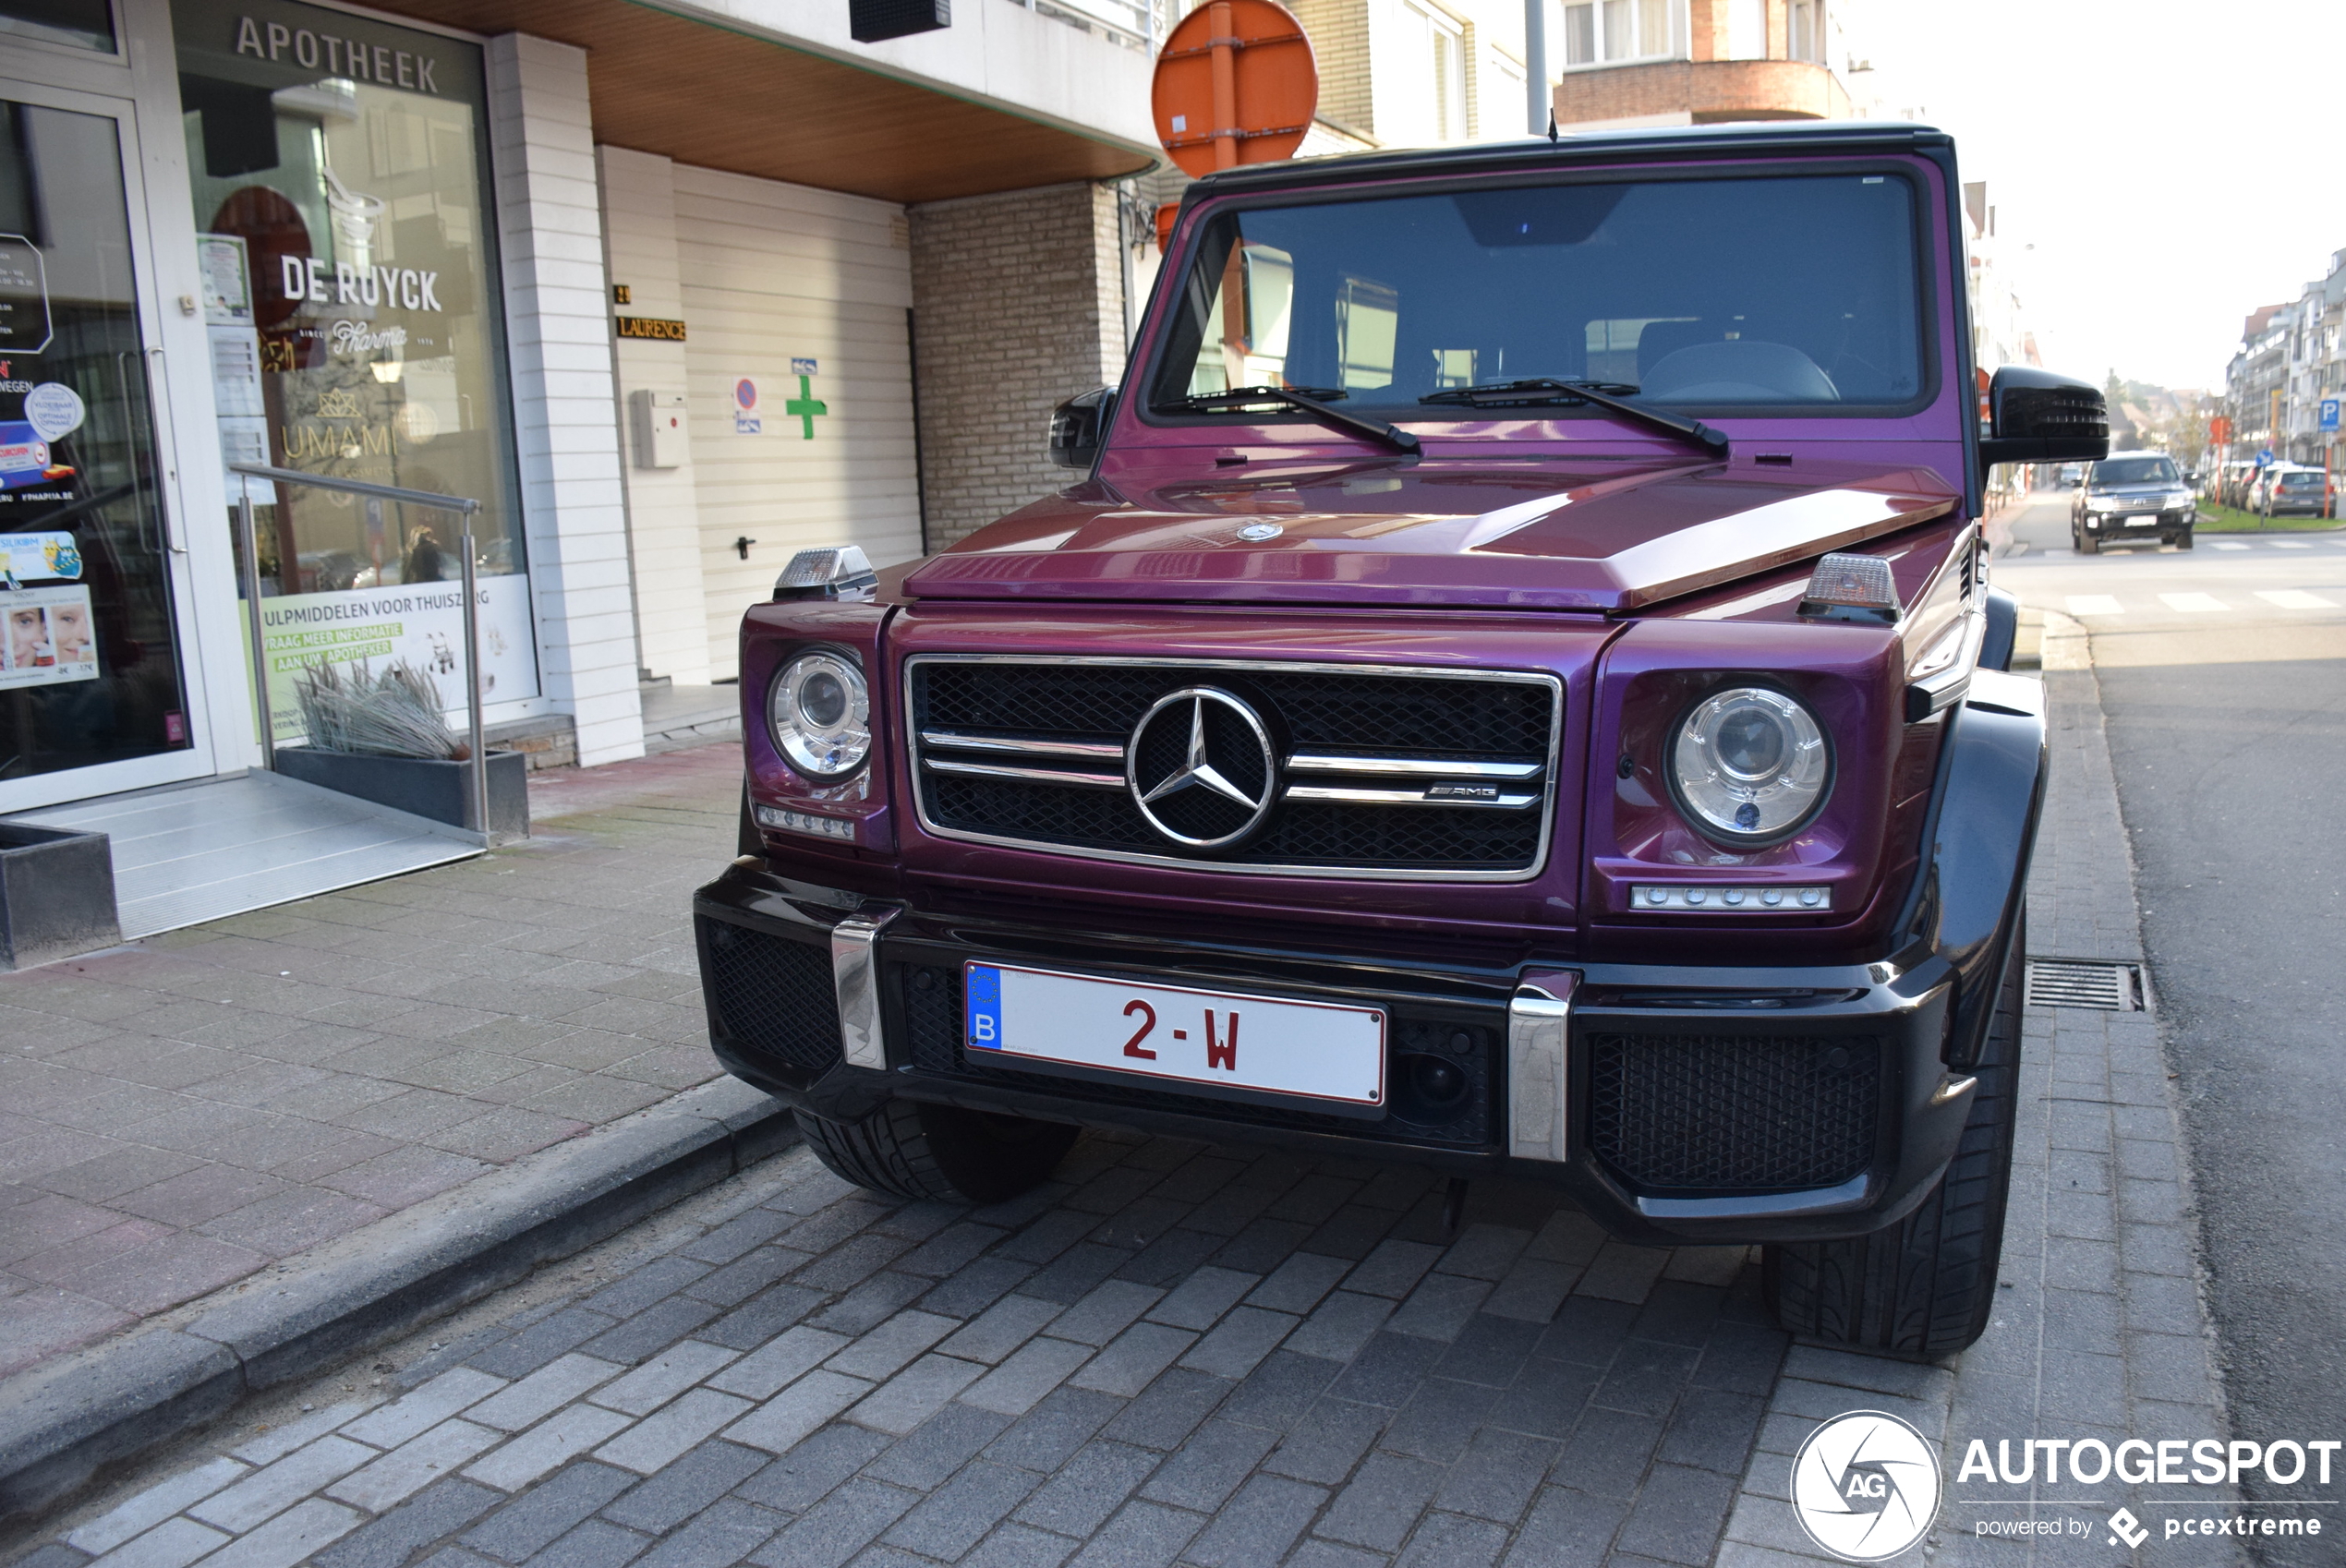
{"x":2329,"y":414}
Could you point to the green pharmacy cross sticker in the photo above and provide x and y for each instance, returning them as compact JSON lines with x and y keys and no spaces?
{"x":805,"y":406}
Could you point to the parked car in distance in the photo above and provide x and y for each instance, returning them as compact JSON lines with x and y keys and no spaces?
{"x":1511,"y":690}
{"x":2132,"y":497}
{"x":2233,"y":482}
{"x":2289,"y":489}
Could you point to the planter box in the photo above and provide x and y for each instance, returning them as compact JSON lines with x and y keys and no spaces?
{"x":437,"y":789}
{"x":56,"y":895}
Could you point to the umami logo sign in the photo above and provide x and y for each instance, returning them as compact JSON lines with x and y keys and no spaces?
{"x":1866,"y":1486}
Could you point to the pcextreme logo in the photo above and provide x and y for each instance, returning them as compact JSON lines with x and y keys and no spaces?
{"x":1866,"y":1486}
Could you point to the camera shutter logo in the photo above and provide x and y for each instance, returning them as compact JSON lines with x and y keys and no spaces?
{"x":1866,"y":1486}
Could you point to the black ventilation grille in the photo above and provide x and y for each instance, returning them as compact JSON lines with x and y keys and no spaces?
{"x":771,"y":996}
{"x":1734,"y":1112}
{"x":1465,"y":720}
{"x":1462,"y":1115}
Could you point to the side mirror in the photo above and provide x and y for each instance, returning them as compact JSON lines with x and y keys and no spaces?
{"x":2037,"y":417}
{"x":1077,"y":426}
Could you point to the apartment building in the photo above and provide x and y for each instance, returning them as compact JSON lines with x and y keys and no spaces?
{"x":1626,"y":63}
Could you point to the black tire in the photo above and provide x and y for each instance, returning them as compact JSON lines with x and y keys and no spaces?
{"x":911,"y":1148}
{"x":2182,"y":540}
{"x":2088,"y":544}
{"x":1926,"y":1286}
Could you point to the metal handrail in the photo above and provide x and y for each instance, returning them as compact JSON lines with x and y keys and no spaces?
{"x":463,"y":505}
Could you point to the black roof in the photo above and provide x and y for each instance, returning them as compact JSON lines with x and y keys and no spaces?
{"x":1574,"y":148}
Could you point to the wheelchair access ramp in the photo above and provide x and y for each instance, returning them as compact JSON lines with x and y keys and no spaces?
{"x":188,"y":853}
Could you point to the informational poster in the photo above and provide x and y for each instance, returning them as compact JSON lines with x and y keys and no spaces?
{"x":422,"y":623}
{"x":38,"y":471}
{"x":236,"y":397}
{"x":27,"y":558}
{"x":25,"y":326}
{"x":47,"y":637}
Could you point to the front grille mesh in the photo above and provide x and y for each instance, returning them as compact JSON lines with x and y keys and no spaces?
{"x":1727,"y":1113}
{"x":1435,"y":717}
{"x":932,"y":1002}
{"x":772,"y":996}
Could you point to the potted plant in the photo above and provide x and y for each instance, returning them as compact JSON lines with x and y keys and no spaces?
{"x":385,"y":738}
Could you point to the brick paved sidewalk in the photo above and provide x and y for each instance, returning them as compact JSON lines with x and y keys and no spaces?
{"x":184,"y":1111}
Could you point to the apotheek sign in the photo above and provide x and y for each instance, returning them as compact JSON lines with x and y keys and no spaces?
{"x":337,"y":55}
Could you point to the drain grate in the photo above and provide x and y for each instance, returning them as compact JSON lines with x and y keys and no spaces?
{"x":2077,"y":983}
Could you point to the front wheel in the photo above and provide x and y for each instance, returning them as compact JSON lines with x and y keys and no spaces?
{"x":2088,"y":544}
{"x":911,"y":1148}
{"x":1924,"y":1287}
{"x":2182,"y":540}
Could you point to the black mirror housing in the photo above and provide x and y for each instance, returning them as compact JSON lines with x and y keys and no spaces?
{"x":2037,"y":417}
{"x":1079,"y":425}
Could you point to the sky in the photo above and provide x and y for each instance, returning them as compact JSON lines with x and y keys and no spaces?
{"x":2176,"y":165}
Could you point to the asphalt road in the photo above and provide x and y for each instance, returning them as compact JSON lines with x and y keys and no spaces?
{"x":2223,"y":679}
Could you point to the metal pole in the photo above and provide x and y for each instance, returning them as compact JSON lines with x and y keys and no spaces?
{"x":252,"y":627}
{"x":1535,"y":64}
{"x":472,"y":681}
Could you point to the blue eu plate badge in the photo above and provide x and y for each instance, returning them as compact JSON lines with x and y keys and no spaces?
{"x":982,"y":995}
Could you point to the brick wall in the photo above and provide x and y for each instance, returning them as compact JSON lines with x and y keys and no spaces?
{"x":1017,"y":306}
{"x":565,"y":423}
{"x":1709,"y":91}
{"x":1340,"y":35}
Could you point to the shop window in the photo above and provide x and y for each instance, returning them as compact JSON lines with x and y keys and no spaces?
{"x":78,"y":24}
{"x":340,"y":175}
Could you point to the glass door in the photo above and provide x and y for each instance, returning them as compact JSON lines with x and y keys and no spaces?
{"x":96,"y":691}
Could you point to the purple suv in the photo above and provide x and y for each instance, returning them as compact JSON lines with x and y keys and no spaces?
{"x":1515,"y":690}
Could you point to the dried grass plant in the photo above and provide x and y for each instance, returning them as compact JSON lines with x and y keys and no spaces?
{"x":395,"y":714}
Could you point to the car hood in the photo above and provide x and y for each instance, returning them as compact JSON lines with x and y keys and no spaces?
{"x":1598,"y":536}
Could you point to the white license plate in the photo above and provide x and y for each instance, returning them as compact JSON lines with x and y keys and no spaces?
{"x":2142,"y":522}
{"x":1315,"y":1050}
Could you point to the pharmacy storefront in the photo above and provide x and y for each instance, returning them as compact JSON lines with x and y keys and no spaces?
{"x":244,"y":233}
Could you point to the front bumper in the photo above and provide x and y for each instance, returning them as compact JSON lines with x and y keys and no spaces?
{"x":1677,"y":1105}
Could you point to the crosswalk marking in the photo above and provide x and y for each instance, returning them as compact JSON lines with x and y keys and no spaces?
{"x":2291,"y":544}
{"x":2095,"y":604}
{"x":2198,"y":604}
{"x":2295,"y":598}
{"x":2226,"y":544}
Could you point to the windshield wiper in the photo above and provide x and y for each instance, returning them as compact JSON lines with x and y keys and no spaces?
{"x":1604,"y":394}
{"x":1309,"y":400}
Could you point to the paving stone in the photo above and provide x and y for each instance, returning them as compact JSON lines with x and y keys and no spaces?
{"x":1607,"y":1453}
{"x":1258,"y":1526}
{"x":1532,"y":1290}
{"x":802,"y":1407}
{"x":543,"y":1392}
{"x":1143,"y":1535}
{"x":1496,"y":1477}
{"x":154,"y":1505}
{"x":1014,"y":1387}
{"x":1135,"y":1358}
{"x":1382,"y":1502}
{"x":1002,"y":1328}
{"x":1589,"y":1331}
{"x":724,"y":1534}
{"x":1449,"y":1541}
{"x":1298,"y":1282}
{"x":1018,"y":1545}
{"x":173,"y":1544}
{"x":1439,"y":1419}
{"x":883,"y":1351}
{"x":651,"y":1330}
{"x":591,"y":1545}
{"x":1567,"y":1529}
{"x":869,"y":1304}
{"x":1316,"y":1553}
{"x":276,"y":1488}
{"x":1105,"y":1311}
{"x":691,"y":1482}
{"x":272,"y":1444}
{"x":954,"y":1517}
{"x":1341,"y":1325}
{"x":664,"y":1376}
{"x":392,"y":1541}
{"x":443,"y":1397}
{"x":413,"y":1466}
{"x":1387,"y":1370}
{"x":541,"y":1343}
{"x":915,"y":1394}
{"x":657,"y":1439}
{"x":533,"y":1520}
{"x":1393,"y":1269}
{"x":940,"y":1446}
{"x":1711,"y":1430}
{"x":838,"y":1528}
{"x":1545,"y":1400}
{"x":291,"y":1537}
{"x":764,"y":1372}
{"x":811,"y":1471}
{"x":763,"y":1316}
{"x":1647,"y":1377}
{"x":1169,"y":1409}
{"x":1679,"y":1514}
{"x":1045,"y":1436}
{"x":561,"y":1438}
{"x":1241,"y":1341}
{"x":1200,"y":1300}
{"x":1325,"y":1445}
{"x":1622,"y":1272}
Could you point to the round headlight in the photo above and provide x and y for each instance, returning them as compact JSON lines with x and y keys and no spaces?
{"x":1750,"y":766}
{"x":820,"y":709}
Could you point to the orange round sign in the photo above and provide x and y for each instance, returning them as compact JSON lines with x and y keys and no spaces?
{"x":1236,"y":83}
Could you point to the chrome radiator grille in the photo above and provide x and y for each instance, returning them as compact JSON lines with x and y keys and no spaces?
{"x":1373,"y":771}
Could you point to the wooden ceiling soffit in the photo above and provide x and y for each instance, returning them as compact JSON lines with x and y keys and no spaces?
{"x":703,"y":94}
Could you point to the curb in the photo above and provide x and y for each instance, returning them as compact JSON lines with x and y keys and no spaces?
{"x":62,"y":1424}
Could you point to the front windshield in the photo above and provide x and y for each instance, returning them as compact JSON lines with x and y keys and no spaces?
{"x":2137,"y":471}
{"x":1774,"y":292}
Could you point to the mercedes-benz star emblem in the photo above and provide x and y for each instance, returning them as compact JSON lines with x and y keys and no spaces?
{"x":1256,"y":533}
{"x":1200,"y":768}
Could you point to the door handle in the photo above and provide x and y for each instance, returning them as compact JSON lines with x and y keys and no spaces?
{"x":166,"y":495}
